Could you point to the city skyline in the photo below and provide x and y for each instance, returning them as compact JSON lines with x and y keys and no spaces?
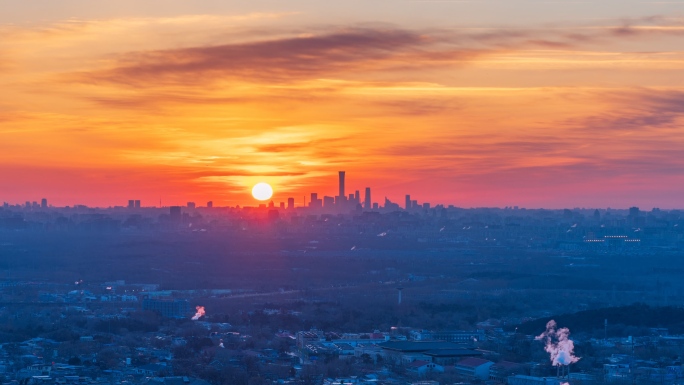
{"x":476,"y":104}
{"x":340,"y":202}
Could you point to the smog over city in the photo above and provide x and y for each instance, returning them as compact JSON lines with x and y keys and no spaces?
{"x":378,"y":192}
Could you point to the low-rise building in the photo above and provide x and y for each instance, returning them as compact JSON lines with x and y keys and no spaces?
{"x":474,"y":367}
{"x":424,"y":367}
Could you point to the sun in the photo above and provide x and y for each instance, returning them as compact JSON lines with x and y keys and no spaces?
{"x":262,"y":191}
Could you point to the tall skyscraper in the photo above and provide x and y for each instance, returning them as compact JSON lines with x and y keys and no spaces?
{"x":43,"y":203}
{"x":290,"y":203}
{"x":131,"y":204}
{"x":341,"y":194}
{"x":175,"y":213}
{"x":367,"y":204}
{"x":357,"y":197}
{"x":137,"y":203}
{"x":408,"y":202}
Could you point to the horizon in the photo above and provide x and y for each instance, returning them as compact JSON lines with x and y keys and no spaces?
{"x":536,"y":104}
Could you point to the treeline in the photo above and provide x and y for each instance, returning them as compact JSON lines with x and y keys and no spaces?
{"x":635,"y":320}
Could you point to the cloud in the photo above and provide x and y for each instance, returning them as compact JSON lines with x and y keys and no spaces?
{"x":643,"y":110}
{"x":345,"y":53}
{"x":275,"y":60}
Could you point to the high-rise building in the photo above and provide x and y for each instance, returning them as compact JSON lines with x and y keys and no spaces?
{"x":43,"y":203}
{"x":328,"y":202}
{"x":131,"y":204}
{"x":367,"y":204}
{"x":137,"y":203}
{"x":315,"y":202}
{"x":341,"y":194}
{"x":175,"y":213}
{"x":191,"y":205}
{"x":357,"y":196}
{"x":210,"y":204}
{"x":290,"y":203}
{"x":407,"y":206}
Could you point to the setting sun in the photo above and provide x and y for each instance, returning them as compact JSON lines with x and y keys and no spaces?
{"x":262,"y":191}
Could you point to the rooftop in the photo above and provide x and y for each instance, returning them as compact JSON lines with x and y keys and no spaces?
{"x":419,"y":346}
{"x":473,"y":362}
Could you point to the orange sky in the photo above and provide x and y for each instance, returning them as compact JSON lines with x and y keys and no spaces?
{"x":196,"y":106}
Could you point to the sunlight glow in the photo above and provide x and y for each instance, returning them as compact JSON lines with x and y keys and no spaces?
{"x":262,"y":191}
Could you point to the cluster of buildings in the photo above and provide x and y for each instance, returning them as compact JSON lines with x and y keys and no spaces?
{"x":570,"y":231}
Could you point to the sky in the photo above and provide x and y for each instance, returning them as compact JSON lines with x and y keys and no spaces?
{"x":477,"y":103}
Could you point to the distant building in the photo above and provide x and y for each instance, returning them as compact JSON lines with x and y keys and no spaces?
{"x":290,"y":203}
{"x":500,"y":371}
{"x":474,"y":367}
{"x":210,"y":204}
{"x":131,"y":204}
{"x":191,"y":205}
{"x":367,"y":204}
{"x":422,"y":368}
{"x":529,"y":380}
{"x":43,"y":203}
{"x":341,"y":194}
{"x":467,"y":336}
{"x":175,"y":213}
{"x":137,"y":203}
{"x":170,"y":308}
{"x":407,"y":204}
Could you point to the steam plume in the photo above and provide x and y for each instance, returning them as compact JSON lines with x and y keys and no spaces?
{"x":558,"y":345}
{"x":200,"y":313}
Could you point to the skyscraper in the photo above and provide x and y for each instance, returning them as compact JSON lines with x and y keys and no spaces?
{"x":341,"y":194}
{"x":137,"y":203}
{"x":210,"y":204}
{"x":175,"y":213}
{"x":131,"y":204}
{"x":43,"y":203}
{"x":290,"y":203}
{"x":367,"y":204}
{"x":408,"y":202}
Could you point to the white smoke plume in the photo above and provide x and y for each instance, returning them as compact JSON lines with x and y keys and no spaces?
{"x":200,"y":313}
{"x":558,"y":345}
